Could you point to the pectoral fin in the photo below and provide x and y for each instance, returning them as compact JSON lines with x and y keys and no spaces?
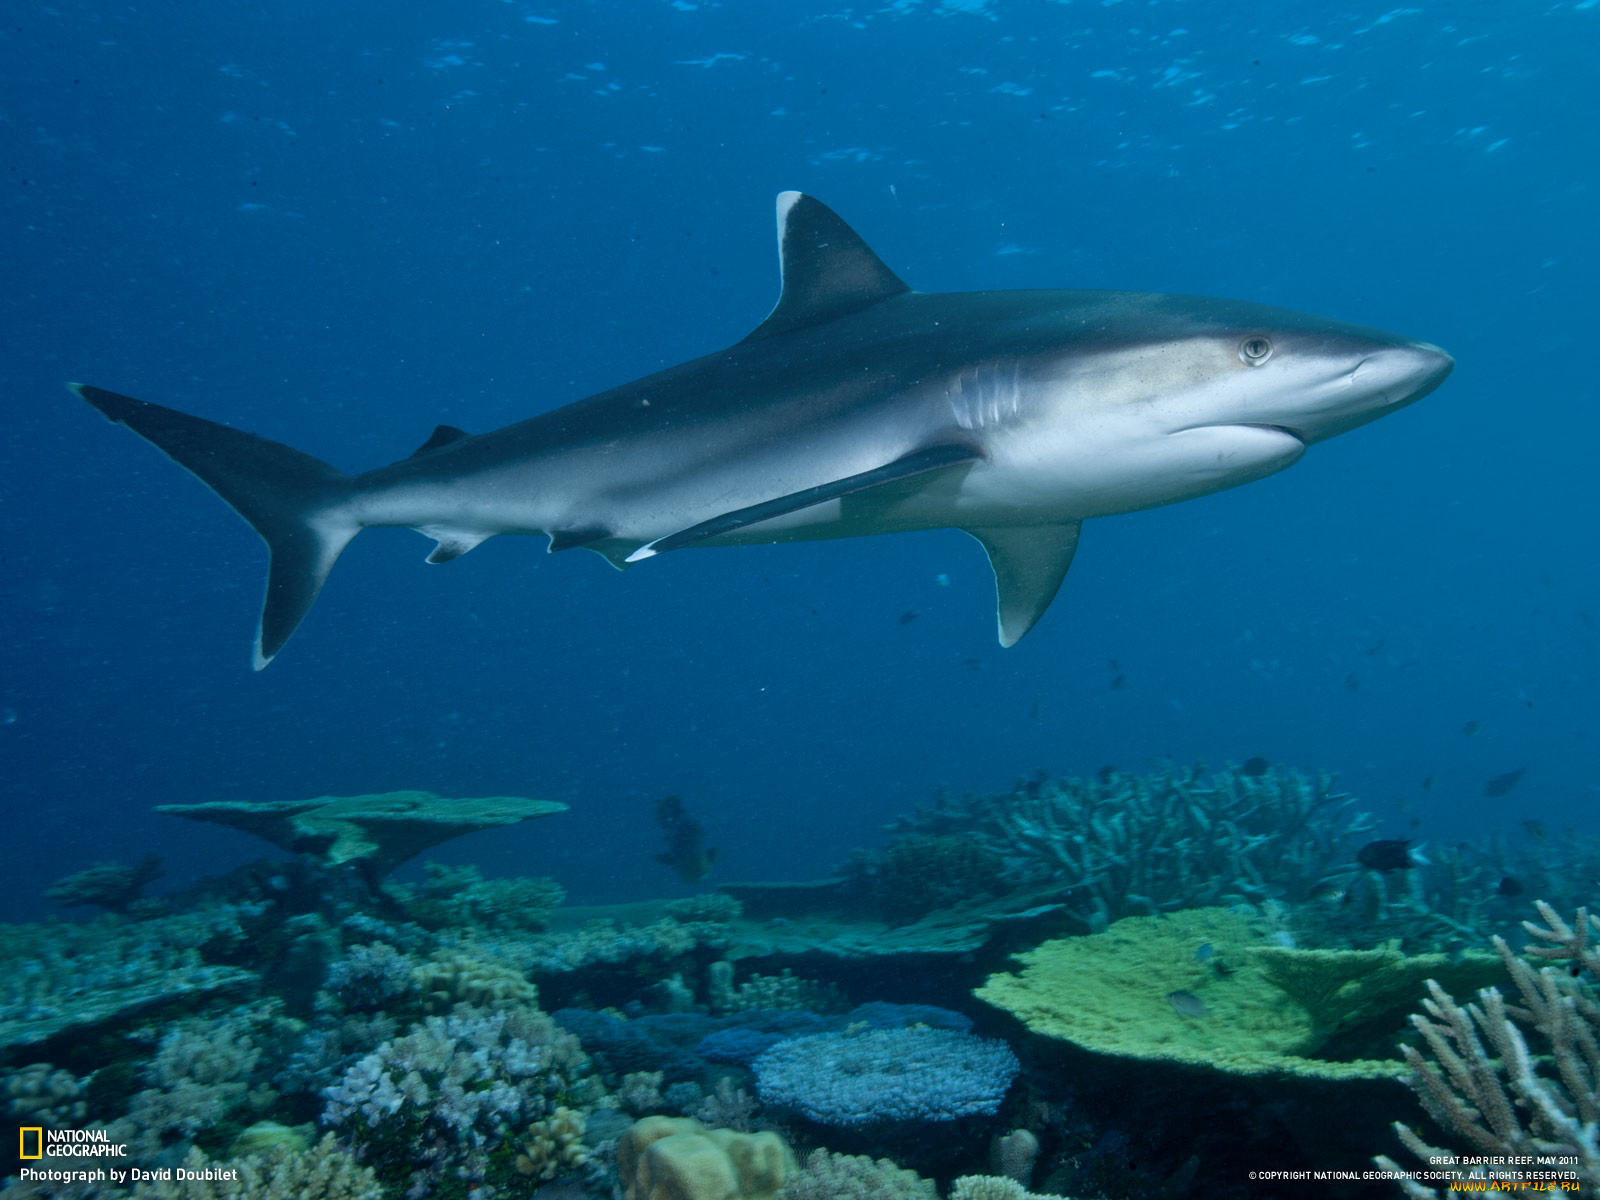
{"x":1029,"y":562}
{"x":932,"y":459}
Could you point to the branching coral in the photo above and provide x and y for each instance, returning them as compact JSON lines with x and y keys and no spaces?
{"x":1483,"y":1083}
{"x":440,"y":1098}
{"x":462,"y":897}
{"x":1180,"y":839}
{"x":324,"y":1172}
{"x":828,"y":1176}
{"x":554,"y":1146}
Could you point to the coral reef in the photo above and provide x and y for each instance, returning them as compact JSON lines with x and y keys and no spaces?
{"x":440,"y":1098}
{"x":829,"y":1176}
{"x":1013,"y":1155}
{"x":460,"y":897}
{"x":1486,"y":1087}
{"x":677,"y":1158}
{"x":111,"y":886}
{"x":1143,"y":989}
{"x":554,"y":1146}
{"x":922,"y":872}
{"x":707,"y":906}
{"x":379,"y":831}
{"x":886,"y":1075}
{"x":989,"y":1187}
{"x":325,"y":1172}
{"x":1129,"y":844}
{"x":40,"y":1094}
{"x":470,"y":975}
{"x":204,"y":1071}
{"x":64,"y":978}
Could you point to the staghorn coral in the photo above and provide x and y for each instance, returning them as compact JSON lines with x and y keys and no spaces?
{"x":886,"y":1075}
{"x":438,"y":1100}
{"x":325,"y":1172}
{"x":1484,"y":1085}
{"x":828,"y":1176}
{"x":554,"y":1146}
{"x":1183,"y":838}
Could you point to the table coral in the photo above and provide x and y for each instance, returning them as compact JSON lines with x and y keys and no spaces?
{"x":886,"y":1075}
{"x":379,"y":831}
{"x":1122,"y":992}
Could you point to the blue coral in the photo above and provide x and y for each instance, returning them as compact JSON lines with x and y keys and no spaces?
{"x":886,"y":1075}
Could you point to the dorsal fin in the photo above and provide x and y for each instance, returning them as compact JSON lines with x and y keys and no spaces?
{"x":442,"y":436}
{"x":828,"y":270}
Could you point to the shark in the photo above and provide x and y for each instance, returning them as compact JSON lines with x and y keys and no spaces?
{"x":859,"y":406}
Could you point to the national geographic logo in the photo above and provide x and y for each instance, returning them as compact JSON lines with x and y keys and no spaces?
{"x":35,"y":1142}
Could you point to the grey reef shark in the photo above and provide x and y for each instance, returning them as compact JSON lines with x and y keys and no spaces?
{"x":859,"y":406}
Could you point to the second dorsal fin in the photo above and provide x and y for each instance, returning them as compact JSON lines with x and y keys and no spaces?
{"x":828,"y":270}
{"x":442,"y":436}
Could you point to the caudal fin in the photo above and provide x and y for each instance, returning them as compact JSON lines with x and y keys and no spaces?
{"x":295,"y":502}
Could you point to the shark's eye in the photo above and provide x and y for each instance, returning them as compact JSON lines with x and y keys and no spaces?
{"x":1255,"y":350}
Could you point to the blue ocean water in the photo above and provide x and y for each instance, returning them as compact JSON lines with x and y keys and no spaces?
{"x":340,"y":226}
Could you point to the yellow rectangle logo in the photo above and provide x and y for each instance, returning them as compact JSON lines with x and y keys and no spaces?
{"x":38,"y":1141}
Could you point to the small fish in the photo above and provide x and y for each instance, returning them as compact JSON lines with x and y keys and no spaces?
{"x":1035,"y":709}
{"x":1106,"y":773}
{"x":1535,"y":829}
{"x":1472,"y":729}
{"x":1352,"y":682}
{"x":972,"y":664}
{"x":686,"y":852}
{"x":1222,"y":969}
{"x":1330,"y":891}
{"x":908,"y":616}
{"x":1255,"y":767}
{"x":1509,"y":887}
{"x":1427,"y":782}
{"x":1386,"y":854}
{"x":1187,"y":1003}
{"x":1203,"y":953}
{"x":1501,"y":784}
{"x":1116,"y":684}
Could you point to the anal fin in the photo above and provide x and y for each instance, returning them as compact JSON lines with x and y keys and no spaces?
{"x":1029,"y":562}
{"x":452,"y":541}
{"x":932,"y":459}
